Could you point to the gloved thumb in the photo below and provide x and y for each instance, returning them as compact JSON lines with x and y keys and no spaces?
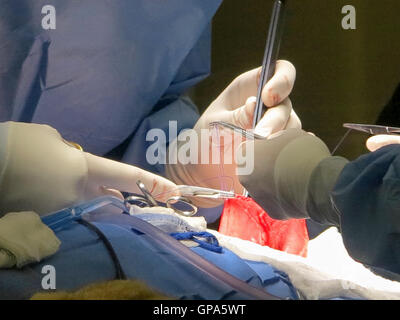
{"x":376,"y":142}
{"x":279,"y":87}
{"x":243,"y":116}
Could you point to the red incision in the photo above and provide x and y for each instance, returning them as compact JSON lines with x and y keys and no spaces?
{"x":154,"y":186}
{"x":243,"y":218}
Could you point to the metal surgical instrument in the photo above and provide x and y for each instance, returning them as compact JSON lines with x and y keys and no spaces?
{"x":147,"y":200}
{"x":372,"y":129}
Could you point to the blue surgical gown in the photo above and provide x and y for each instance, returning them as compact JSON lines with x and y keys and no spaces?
{"x":108,"y":72}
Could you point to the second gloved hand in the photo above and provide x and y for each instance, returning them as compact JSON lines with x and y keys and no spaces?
{"x":290,"y":179}
{"x":41,"y":172}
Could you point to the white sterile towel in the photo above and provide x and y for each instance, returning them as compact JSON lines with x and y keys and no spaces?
{"x":327,"y":272}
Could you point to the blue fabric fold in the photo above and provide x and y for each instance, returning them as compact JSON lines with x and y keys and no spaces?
{"x":204,"y":239}
{"x":103,"y":70}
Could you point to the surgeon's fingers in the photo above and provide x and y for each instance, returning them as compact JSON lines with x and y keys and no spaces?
{"x":294,"y":121}
{"x":243,"y":116}
{"x":279,"y":87}
{"x":275,"y":119}
{"x":241,"y":88}
{"x":379,"y":141}
{"x":111,"y":192}
{"x":274,"y":92}
{"x":123,"y":177}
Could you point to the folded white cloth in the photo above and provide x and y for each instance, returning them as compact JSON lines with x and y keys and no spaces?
{"x":25,"y":239}
{"x":327,"y":272}
{"x":199,"y":223}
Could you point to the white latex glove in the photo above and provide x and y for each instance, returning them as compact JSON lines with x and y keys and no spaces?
{"x":41,"y":172}
{"x":236,"y":104}
{"x":376,"y":142}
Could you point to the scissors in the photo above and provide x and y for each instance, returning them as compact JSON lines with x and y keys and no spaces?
{"x":59,"y":219}
{"x":372,"y":129}
{"x":147,"y":200}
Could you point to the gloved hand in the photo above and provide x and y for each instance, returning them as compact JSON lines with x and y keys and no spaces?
{"x":236,"y":104}
{"x":290,"y":179}
{"x":376,"y":142}
{"x":25,"y":239}
{"x":41,"y":172}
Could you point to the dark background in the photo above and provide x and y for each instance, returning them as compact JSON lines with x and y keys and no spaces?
{"x":342,"y":75}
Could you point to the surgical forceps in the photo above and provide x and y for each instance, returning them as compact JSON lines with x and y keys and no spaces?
{"x":367,"y":128}
{"x":271,"y":53}
{"x":244,"y":132}
{"x":147,"y":200}
{"x":372,"y":129}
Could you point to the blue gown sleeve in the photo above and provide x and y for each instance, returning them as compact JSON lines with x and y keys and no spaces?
{"x":367,"y":198}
